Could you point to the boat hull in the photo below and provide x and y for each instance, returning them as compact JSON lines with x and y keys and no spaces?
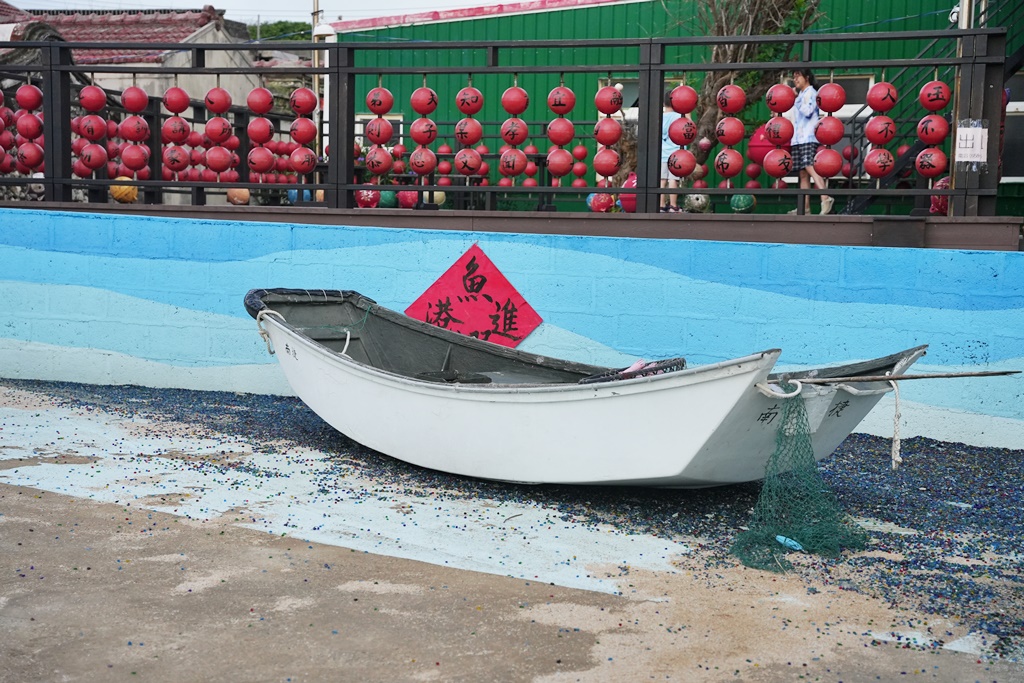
{"x":700,"y":427}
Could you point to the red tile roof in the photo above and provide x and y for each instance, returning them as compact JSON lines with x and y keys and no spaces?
{"x":151,"y":26}
{"x":9,"y":14}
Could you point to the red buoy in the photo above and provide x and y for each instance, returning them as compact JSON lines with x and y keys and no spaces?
{"x":780,"y":98}
{"x":561,"y":131}
{"x":134,"y":99}
{"x":514,"y":131}
{"x":468,"y":131}
{"x":932,"y":129}
{"x":217,"y":100}
{"x":683,"y":99}
{"x":730,"y":131}
{"x":176,"y":100}
{"x":830,"y":130}
{"x":423,"y":131}
{"x":560,"y":162}
{"x":93,"y":156}
{"x":607,"y":162}
{"x":515,"y":100}
{"x":882,"y":96}
{"x":512,"y":162}
{"x":379,"y":131}
{"x":778,"y":131}
{"x":93,"y":127}
{"x":92,"y":98}
{"x":561,"y":100}
{"x":134,"y":128}
{"x":30,"y":155}
{"x":880,"y":130}
{"x":423,"y":100}
{"x":607,"y":131}
{"x":380,"y":100}
{"x":931,"y":162}
{"x":467,"y":161}
{"x":302,"y":160}
{"x":218,"y":129}
{"x":731,"y":99}
{"x":422,"y":161}
{"x":777,"y":163}
{"x":729,"y":163}
{"x":878,"y":162}
{"x":135,"y":157}
{"x":29,"y":127}
{"x":831,"y":97}
{"x":302,"y":131}
{"x":681,"y":163}
{"x":261,"y":159}
{"x":378,"y":160}
{"x":469,"y":100}
{"x":29,"y":97}
{"x":934,"y":96}
{"x":260,"y":101}
{"x":608,"y":100}
{"x":682,"y":131}
{"x":175,"y":158}
{"x":302,"y":101}
{"x":260,"y":130}
{"x":828,"y":162}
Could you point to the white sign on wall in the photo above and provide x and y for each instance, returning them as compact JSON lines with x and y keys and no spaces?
{"x":972,"y":144}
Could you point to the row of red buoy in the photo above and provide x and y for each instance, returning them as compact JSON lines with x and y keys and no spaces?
{"x":219,"y":136}
{"x":468,"y":132}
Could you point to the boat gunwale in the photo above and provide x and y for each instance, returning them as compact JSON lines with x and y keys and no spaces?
{"x":254,"y":303}
{"x":497,"y":389}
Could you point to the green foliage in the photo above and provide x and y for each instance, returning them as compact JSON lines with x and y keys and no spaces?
{"x":282,"y":30}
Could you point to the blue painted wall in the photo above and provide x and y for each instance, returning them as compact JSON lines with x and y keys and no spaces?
{"x":115,"y":299}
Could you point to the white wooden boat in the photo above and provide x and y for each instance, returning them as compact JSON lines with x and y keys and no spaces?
{"x":453,"y":403}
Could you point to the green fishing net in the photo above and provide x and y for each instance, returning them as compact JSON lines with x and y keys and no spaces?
{"x":795,"y":511}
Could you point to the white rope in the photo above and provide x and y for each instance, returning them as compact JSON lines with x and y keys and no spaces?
{"x":769,"y":389}
{"x":348,"y":338}
{"x":896,"y":458}
{"x":263,"y":333}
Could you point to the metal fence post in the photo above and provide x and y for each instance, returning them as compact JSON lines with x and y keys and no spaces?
{"x":342,"y":116}
{"x":57,"y":122}
{"x":648,"y":134}
{"x":198,"y":114}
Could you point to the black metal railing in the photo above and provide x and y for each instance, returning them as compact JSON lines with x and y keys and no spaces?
{"x":348,"y":67}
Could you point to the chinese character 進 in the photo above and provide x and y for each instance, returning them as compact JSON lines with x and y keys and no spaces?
{"x":503,"y":322}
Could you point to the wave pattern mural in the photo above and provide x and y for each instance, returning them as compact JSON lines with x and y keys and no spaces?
{"x":127,"y":299}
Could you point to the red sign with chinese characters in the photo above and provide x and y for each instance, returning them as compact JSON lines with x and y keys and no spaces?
{"x":474,"y":298}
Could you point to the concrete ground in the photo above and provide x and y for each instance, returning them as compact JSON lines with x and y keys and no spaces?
{"x":97,"y":590}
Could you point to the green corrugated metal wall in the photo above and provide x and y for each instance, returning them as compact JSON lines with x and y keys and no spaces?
{"x":616,"y":21}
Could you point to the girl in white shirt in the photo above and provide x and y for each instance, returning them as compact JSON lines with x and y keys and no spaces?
{"x":805,"y":144}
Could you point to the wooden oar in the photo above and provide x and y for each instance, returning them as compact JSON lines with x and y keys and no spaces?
{"x":887,"y":378}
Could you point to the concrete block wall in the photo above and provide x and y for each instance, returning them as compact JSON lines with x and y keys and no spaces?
{"x":116,"y":299}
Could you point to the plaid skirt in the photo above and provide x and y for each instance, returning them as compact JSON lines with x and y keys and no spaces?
{"x":803,"y":155}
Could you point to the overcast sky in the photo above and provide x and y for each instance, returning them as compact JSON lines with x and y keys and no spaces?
{"x":266,"y":10}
